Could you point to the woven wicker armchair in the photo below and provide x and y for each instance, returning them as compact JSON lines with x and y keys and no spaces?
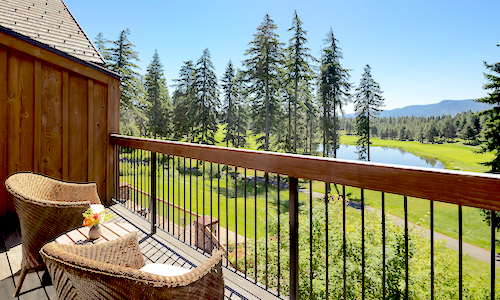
{"x":46,"y":208}
{"x":111,"y":271}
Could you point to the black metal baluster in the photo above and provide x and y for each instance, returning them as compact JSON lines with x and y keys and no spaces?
{"x":383,"y":245}
{"x":492,"y":253}
{"x":362,"y":244}
{"x":407,"y":267}
{"x":327,"y":186}
{"x":191,"y":202}
{"x":227,"y":214}
{"x":168,"y":193}
{"x":197,"y":214}
{"x":432,"y":249}
{"x":267,"y":212}
{"x":236,"y":216}
{"x":152,"y":203}
{"x":142,"y":179}
{"x":163,"y":191}
{"x":173,"y":195}
{"x":136,"y":184}
{"x":293,"y":197}
{"x":184,"y":221}
{"x":178,"y":197}
{"x":460,"y":283}
{"x":279,"y":235}
{"x":344,"y":242}
{"x":310,"y":240}
{"x":245,"y":219}
{"x":255,"y":220}
{"x":203,"y":207}
{"x":218,"y":206}
{"x":211,"y":204}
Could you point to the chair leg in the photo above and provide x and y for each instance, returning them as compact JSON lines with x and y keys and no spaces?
{"x":20,"y":282}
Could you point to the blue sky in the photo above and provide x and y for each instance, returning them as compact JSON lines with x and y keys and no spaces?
{"x":420,"y":51}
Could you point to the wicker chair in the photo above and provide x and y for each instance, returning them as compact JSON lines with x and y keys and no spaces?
{"x":46,"y":208}
{"x":111,"y":271}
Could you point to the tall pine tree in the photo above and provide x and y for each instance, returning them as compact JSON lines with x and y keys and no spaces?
{"x":228,"y":109}
{"x":122,"y":61}
{"x":298,"y":65}
{"x":183,"y":99}
{"x":157,"y":99}
{"x":492,"y":126}
{"x":204,"y":111}
{"x":367,"y":104}
{"x":334,"y":90}
{"x":241,"y":111}
{"x":263,"y":64}
{"x":101,"y":44}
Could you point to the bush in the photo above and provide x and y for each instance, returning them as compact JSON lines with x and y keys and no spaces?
{"x":445,"y":268}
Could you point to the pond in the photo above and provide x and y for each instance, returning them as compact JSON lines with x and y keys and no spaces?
{"x":389,"y":156}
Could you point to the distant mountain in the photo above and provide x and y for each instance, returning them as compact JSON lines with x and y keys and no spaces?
{"x":445,"y":107}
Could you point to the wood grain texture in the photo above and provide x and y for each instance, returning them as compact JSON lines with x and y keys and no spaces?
{"x":3,"y":128}
{"x":100,"y":137}
{"x":65,"y":125}
{"x":51,"y":142}
{"x":48,"y":125}
{"x":78,"y":128}
{"x":113,"y":126}
{"x":463,"y":188}
{"x":37,"y":156}
{"x":46,"y":55}
{"x":90,"y":128}
{"x":20,"y":112}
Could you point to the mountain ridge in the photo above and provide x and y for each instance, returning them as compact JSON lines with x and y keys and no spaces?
{"x":444,"y":107}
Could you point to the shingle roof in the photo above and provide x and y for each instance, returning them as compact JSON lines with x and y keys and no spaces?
{"x":49,"y":22}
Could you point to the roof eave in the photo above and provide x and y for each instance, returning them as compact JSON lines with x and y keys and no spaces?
{"x":59,"y":52}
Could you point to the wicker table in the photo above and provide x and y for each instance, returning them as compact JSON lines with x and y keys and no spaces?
{"x":110,"y":231}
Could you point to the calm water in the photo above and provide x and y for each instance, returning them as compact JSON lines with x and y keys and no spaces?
{"x":389,"y":156}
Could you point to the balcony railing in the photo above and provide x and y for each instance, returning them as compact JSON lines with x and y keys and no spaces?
{"x":298,"y":226}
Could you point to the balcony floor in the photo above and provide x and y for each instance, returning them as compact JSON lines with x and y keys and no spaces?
{"x":160,"y":247}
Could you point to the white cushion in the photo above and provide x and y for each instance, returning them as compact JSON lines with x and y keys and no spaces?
{"x":97,"y":208}
{"x":164,"y":270}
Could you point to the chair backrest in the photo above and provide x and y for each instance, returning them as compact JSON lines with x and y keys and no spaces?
{"x":44,"y":217}
{"x":92,"y":278}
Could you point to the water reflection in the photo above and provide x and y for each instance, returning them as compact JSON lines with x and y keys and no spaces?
{"x":388,"y":155}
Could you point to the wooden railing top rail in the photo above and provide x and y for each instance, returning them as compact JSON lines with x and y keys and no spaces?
{"x":464,"y":188}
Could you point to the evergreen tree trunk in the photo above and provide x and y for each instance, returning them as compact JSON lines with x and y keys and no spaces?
{"x":289,"y":146}
{"x":295,"y":117}
{"x":368,"y":135}
{"x":267,"y":114}
{"x":334,"y":130}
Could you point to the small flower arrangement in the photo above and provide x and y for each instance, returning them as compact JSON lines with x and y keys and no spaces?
{"x":94,"y":219}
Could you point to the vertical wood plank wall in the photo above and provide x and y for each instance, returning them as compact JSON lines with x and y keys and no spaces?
{"x":54,"y":120}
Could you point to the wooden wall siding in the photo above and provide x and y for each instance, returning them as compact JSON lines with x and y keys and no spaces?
{"x":77,"y":114}
{"x":100,"y":135}
{"x":3,"y":124}
{"x":51,"y":130}
{"x":55,"y":120}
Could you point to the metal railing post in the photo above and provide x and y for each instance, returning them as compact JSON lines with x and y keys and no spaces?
{"x":492,"y":253}
{"x":152,"y":201}
{"x":294,"y":237}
